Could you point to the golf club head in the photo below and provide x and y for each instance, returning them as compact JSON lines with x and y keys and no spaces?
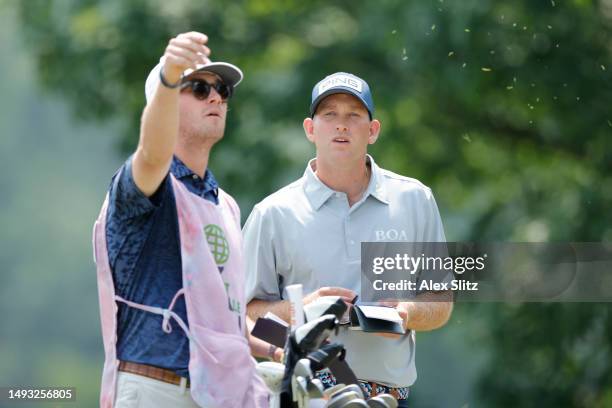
{"x":356,"y":403}
{"x":322,"y":358}
{"x":311,"y":335}
{"x":349,"y":388}
{"x":315,"y":388}
{"x":389,"y":399}
{"x":325,"y":305}
{"x":330,"y":391}
{"x":272,"y":374}
{"x":340,"y":399}
{"x":302,"y":368}
{"x":302,"y":385}
{"x":376,"y":402}
{"x":299,"y":392}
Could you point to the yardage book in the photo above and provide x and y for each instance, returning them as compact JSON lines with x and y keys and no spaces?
{"x":376,"y":319}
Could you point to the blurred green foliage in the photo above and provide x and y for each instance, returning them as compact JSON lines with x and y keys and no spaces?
{"x":502,"y":108}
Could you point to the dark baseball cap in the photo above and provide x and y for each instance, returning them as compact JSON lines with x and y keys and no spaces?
{"x":342,"y":82}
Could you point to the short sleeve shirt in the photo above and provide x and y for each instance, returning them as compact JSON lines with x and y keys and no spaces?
{"x":307,"y":233}
{"x":145,"y":258}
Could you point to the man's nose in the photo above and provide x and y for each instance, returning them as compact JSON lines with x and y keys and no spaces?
{"x":341,"y":127}
{"x":213,"y":96}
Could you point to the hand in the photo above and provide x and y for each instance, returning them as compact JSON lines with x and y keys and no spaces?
{"x":279,"y":355}
{"x":183,"y":52}
{"x":346,"y":294}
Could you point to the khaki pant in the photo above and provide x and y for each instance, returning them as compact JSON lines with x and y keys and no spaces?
{"x":135,"y":391}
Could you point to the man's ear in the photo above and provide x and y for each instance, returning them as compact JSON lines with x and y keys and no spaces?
{"x":309,"y":129}
{"x":374,"y":131}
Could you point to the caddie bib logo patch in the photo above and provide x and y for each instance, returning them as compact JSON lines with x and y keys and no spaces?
{"x":219,"y":247}
{"x":218,"y":244}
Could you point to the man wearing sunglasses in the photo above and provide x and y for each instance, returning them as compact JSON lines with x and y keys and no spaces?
{"x":168,"y":250}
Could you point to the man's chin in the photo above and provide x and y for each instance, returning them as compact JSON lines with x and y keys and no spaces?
{"x":343,"y":154}
{"x":214,"y":133}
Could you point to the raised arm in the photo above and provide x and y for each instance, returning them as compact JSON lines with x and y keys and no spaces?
{"x":160,"y":120}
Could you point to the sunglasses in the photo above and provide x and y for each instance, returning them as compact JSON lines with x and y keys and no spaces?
{"x":201,"y":89}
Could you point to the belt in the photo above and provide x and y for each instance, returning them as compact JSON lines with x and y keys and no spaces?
{"x":156,"y":373}
{"x":373,"y":389}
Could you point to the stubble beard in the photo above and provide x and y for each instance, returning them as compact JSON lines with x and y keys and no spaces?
{"x":206,"y":135}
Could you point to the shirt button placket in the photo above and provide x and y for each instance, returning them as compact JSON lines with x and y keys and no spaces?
{"x":353,"y":249}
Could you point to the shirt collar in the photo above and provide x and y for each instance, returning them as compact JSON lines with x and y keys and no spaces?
{"x":180,"y":171}
{"x":318,"y":193}
{"x":377,"y":187}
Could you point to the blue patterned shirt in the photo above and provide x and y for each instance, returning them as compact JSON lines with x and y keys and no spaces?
{"x":144,"y":253}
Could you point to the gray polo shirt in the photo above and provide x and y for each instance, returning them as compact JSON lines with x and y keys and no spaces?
{"x":307,"y":233}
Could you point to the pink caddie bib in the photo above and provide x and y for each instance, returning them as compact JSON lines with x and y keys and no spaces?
{"x":221,"y":369}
